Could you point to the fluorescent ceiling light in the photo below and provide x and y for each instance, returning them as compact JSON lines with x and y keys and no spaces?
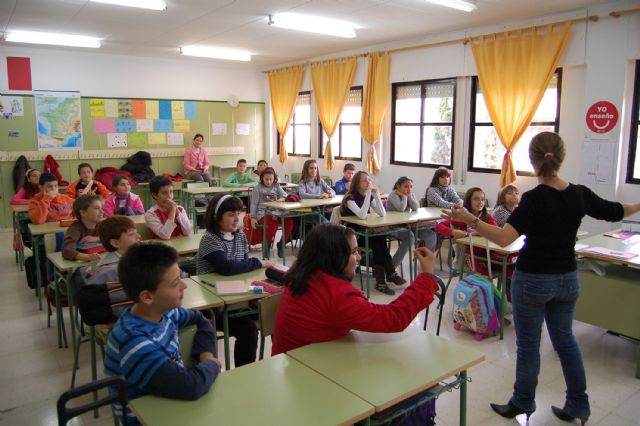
{"x":312,"y":24}
{"x":464,"y":5}
{"x":214,"y":52}
{"x":52,"y":38}
{"x":144,"y":4}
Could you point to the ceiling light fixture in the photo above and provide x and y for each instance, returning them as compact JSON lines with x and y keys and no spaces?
{"x":464,"y":5}
{"x":312,"y":24}
{"x":215,"y":52}
{"x":143,"y":4}
{"x":56,"y":39}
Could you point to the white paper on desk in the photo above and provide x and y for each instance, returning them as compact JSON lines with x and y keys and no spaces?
{"x":579,"y":247}
{"x":219,"y":128}
{"x":243,"y":129}
{"x":631,"y":240}
{"x":597,"y":161}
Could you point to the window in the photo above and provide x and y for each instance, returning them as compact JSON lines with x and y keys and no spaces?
{"x":347,"y":138}
{"x":422,"y":123}
{"x":298,"y":138}
{"x":633,"y":167}
{"x":486,"y":151}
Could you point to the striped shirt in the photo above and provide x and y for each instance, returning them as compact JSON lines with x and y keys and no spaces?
{"x":225,"y":255}
{"x":441,"y":196}
{"x":501,"y":215}
{"x":137,"y":348}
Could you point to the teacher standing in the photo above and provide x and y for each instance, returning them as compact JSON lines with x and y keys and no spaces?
{"x":196,"y":161}
{"x":545,"y":284}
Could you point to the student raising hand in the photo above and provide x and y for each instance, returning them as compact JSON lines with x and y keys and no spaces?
{"x":426,"y":258}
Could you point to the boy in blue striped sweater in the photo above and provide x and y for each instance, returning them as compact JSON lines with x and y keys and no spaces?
{"x":143,"y":345}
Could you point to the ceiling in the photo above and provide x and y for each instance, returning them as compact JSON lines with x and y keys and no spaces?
{"x":242,"y":24}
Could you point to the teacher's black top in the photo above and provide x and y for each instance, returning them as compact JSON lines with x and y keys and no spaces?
{"x":550,"y":220}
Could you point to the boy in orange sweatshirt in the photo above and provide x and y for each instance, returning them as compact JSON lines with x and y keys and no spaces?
{"x":49,"y":205}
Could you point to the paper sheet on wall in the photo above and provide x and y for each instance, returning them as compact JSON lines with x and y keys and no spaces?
{"x":243,"y":129}
{"x":175,"y":138}
{"x":96,"y":108}
{"x":111,"y":108}
{"x":117,"y":140}
{"x":190,"y":110}
{"x":164,"y":107}
{"x":597,"y":161}
{"x":125,"y":125}
{"x":139,"y":108}
{"x":125,"y":109}
{"x":177,"y":110}
{"x":144,"y":125}
{"x":157,"y":138}
{"x":152,"y":110}
{"x":137,"y":140}
{"x":105,"y":125}
{"x":182,"y":126}
{"x":13,"y":105}
{"x":164,"y":125}
{"x":219,"y":129}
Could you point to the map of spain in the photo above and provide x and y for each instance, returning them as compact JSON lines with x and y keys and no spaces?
{"x":59,"y":124}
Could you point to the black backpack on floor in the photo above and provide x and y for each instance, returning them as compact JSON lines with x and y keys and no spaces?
{"x":30,"y":270}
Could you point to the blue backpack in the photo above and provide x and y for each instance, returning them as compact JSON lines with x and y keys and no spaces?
{"x":476,"y":303}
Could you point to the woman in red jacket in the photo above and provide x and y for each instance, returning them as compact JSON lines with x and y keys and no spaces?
{"x":321,"y":304}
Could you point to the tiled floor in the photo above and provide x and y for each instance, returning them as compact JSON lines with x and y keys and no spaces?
{"x":35,"y":371}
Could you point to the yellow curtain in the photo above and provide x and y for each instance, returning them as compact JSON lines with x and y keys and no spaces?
{"x":331,"y":83}
{"x":514,"y":71}
{"x":284,"y":85}
{"x":376,"y":95}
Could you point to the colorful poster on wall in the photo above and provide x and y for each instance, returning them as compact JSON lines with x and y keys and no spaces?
{"x":190,"y":110}
{"x":164,"y":110}
{"x":182,"y":126}
{"x":139,"y":108}
{"x":125,"y":109}
{"x":177,"y":110}
{"x":13,"y":105}
{"x":137,"y":140}
{"x":59,"y":124}
{"x":106,"y":125}
{"x":218,"y":129}
{"x":175,"y":138}
{"x":144,"y":125}
{"x":117,"y":140}
{"x":111,"y":108}
{"x":157,"y":138}
{"x":96,"y":108}
{"x":153,"y":111}
{"x":125,"y":126}
{"x":163,"y":126}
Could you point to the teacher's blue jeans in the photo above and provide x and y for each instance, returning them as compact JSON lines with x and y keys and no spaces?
{"x":551,"y":298}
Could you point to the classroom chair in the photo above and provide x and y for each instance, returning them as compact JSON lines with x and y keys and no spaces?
{"x":295,"y":177}
{"x":267,"y":309}
{"x":441,"y":296}
{"x":186,"y":336}
{"x":200,"y":210}
{"x":67,"y":413}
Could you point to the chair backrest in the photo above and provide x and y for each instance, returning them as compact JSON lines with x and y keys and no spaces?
{"x":327,"y":180}
{"x":267,"y":309}
{"x":144,"y":232}
{"x":295,"y":177}
{"x":193,"y":185}
{"x":65,"y":414}
{"x":186,"y":335}
{"x":336,"y":216}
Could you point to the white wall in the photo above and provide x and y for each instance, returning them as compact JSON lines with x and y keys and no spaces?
{"x":597,"y":65}
{"x":96,"y":74}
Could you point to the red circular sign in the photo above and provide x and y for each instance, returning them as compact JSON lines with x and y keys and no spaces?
{"x":602,"y":117}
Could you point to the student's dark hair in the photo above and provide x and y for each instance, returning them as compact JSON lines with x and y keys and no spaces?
{"x":467,"y":202}
{"x":349,"y":166}
{"x":143,"y":266}
{"x":401,"y":181}
{"x":269,"y":171}
{"x":158,"y":182}
{"x":212,"y":218}
{"x":262,"y":161}
{"x":47,"y":177}
{"x":325,"y":248}
{"x":240,"y":161}
{"x":117,"y":179}
{"x":305,"y":171}
{"x":353,"y":188}
{"x":503,"y":194}
{"x":198,"y":135}
{"x":83,"y":165}
{"x":440,"y":171}
{"x":27,"y":186}
{"x":546,"y":153}
{"x":112,"y":228}
{"x":82,"y":203}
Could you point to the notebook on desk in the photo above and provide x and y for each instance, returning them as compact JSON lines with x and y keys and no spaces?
{"x":231,"y":288}
{"x":610,"y":253}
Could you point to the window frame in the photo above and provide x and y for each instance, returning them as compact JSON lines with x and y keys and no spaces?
{"x":473,"y":124}
{"x":339,"y":131}
{"x":423,"y":91}
{"x":292,"y":129}
{"x":634,"y":134}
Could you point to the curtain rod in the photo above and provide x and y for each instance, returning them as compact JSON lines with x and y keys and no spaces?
{"x":464,"y":40}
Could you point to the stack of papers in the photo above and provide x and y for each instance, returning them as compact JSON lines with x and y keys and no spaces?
{"x":608,"y":253}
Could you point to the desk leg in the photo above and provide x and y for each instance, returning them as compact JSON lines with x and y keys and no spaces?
{"x":503,"y":294}
{"x":463,"y":398}
{"x":36,"y":239}
{"x":94,"y":368}
{"x":225,"y":330}
{"x":283,"y":240}
{"x":412,"y":270}
{"x":73,"y":313}
{"x":638,"y":367}
{"x":366,"y":252}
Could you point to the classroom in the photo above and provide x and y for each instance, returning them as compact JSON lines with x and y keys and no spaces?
{"x":401,"y":87}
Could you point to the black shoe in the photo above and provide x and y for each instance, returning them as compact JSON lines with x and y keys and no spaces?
{"x":396,"y":279}
{"x":559,"y":412}
{"x":509,"y":410}
{"x":279,"y":248}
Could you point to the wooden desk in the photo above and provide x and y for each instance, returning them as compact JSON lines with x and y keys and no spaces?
{"x":19,"y":211}
{"x":142,"y":189}
{"x":611,"y":301}
{"x":385,"y":369}
{"x":198,"y":298}
{"x":276,"y":391}
{"x":184,"y":245}
{"x":503,"y":263}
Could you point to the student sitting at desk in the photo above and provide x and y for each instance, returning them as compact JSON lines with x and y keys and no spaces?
{"x":320,"y":303}
{"x":196,"y":161}
{"x":28,"y":190}
{"x":508,"y":200}
{"x":143,"y":345}
{"x":122,"y":201}
{"x":262,"y":164}
{"x":311,"y":185}
{"x":49,"y":205}
{"x":88,"y":211}
{"x":362,"y":198}
{"x":86,"y":184}
{"x":117,"y":234}
{"x":224,"y":250}
{"x":342,"y":186}
{"x":239,"y":177}
{"x":166,"y":219}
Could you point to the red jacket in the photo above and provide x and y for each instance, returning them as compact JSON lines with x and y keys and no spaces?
{"x":444,"y":227}
{"x":332,"y":307}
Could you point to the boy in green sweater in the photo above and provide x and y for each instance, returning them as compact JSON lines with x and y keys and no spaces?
{"x":239,"y":177}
